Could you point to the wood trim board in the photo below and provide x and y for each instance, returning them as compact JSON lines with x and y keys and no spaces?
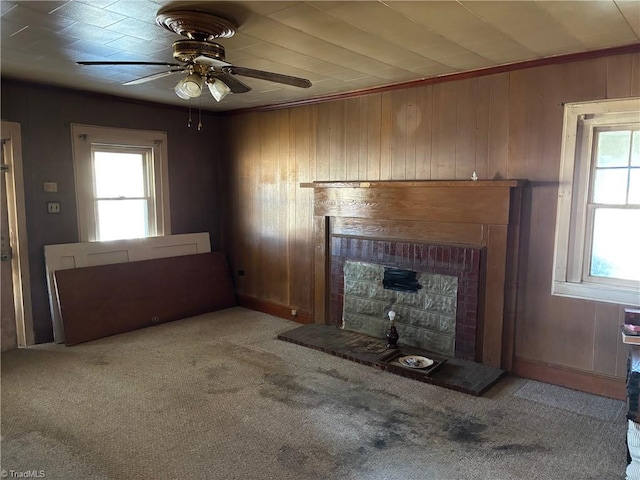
{"x":86,"y":254}
{"x":105,"y":300}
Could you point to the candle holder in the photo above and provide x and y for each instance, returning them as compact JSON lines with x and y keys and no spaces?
{"x":392,"y":332}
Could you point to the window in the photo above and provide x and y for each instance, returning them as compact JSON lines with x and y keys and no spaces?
{"x":597,"y":254}
{"x":121,"y":183}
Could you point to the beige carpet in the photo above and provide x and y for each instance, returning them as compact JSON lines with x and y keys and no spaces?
{"x":219,"y":397}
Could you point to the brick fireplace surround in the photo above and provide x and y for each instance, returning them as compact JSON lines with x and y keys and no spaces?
{"x":463,"y":228}
{"x":462,"y":262}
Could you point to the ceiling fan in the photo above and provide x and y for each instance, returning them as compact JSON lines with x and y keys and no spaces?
{"x":203,"y":59}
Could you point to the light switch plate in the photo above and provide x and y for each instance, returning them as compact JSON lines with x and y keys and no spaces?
{"x":50,"y":187}
{"x":53,"y":207}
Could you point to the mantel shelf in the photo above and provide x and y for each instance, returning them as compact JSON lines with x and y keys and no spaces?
{"x":417,"y":183}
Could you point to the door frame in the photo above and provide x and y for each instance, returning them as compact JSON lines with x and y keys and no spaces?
{"x":12,"y":139}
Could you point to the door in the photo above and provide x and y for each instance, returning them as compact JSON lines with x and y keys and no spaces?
{"x":15,"y":286}
{"x":8,"y":335}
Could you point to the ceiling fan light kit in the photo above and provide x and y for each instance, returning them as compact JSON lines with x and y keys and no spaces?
{"x":189,"y":87}
{"x":203,"y":60}
{"x":218,"y":89}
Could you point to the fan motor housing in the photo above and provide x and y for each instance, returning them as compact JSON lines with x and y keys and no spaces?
{"x":187,"y":50}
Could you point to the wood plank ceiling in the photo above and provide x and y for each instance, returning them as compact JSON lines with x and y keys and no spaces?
{"x":341,"y":46}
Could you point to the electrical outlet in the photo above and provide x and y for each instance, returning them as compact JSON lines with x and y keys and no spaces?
{"x":53,"y":207}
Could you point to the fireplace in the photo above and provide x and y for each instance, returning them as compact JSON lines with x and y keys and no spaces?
{"x":441,"y":316}
{"x":465,"y":229}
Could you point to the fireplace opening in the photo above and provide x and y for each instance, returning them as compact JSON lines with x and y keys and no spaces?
{"x":433,"y":289}
{"x":400,"y":280}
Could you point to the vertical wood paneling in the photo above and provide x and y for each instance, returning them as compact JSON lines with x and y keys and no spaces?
{"x":465,"y":150}
{"x":535,"y":322}
{"x":443,"y":140}
{"x":374,"y":127}
{"x":535,"y":104}
{"x":635,"y":75}
{"x":363,"y":148}
{"x":571,"y":332}
{"x":352,"y":138}
{"x":424,"y":107}
{"x":498,"y":127}
{"x":518,"y":124}
{"x":323,"y":143}
{"x":399,"y":128}
{"x":251,"y":223}
{"x":482,"y":127}
{"x":502,"y":126}
{"x":606,"y":338}
{"x":300,"y":234}
{"x":268,"y":207}
{"x":337,"y":154}
{"x":619,"y":76}
{"x":410,"y":137}
{"x":386,"y":129}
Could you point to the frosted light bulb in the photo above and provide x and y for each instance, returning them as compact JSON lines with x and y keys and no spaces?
{"x":392,"y":315}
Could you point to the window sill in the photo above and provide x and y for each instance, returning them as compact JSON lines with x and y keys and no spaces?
{"x":598,"y":293}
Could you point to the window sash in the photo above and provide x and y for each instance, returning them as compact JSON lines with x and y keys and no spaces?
{"x":574,"y":221}
{"x":588,"y":258}
{"x":85,"y":138}
{"x":150,"y":227}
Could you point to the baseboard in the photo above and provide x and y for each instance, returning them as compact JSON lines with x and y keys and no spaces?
{"x":275,"y":309}
{"x":570,"y":378}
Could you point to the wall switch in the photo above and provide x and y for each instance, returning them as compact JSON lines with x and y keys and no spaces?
{"x":53,"y":207}
{"x":50,"y":187}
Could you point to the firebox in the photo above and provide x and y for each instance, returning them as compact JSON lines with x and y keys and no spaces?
{"x":437,"y":312}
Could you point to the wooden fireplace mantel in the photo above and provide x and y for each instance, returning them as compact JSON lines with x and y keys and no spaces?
{"x":484,"y":213}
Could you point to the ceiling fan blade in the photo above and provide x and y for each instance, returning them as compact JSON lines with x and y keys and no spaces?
{"x":166,"y":64}
{"x":154,"y":76}
{"x":233,"y":83}
{"x":212,"y":62}
{"x":269,"y":76}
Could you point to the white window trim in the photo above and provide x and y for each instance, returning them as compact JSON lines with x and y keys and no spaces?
{"x":568,"y":278}
{"x":82,"y":136}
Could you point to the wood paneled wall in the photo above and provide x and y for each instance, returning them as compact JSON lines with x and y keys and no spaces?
{"x":503,"y":126}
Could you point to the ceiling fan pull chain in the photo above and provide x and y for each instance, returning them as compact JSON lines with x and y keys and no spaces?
{"x":189,"y":122}
{"x":199,"y":113}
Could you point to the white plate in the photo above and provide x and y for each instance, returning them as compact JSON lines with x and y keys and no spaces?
{"x":414,"y":361}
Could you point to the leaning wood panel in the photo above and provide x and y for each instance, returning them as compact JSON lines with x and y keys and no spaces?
{"x":100,"y":301}
{"x":477,"y":205}
{"x":463,"y":233}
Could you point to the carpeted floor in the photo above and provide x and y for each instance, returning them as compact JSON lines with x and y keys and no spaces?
{"x":219,"y":397}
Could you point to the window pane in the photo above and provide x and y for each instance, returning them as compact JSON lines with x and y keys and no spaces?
{"x":610,"y":186}
{"x":615,"y":253}
{"x":613,"y":149}
{"x":119,"y":174}
{"x":634,"y":186}
{"x":120,"y":219}
{"x":635,"y":149}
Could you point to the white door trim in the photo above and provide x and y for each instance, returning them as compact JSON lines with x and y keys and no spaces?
{"x":11,"y":135}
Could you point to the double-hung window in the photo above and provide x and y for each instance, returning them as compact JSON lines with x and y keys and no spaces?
{"x":597,"y":253}
{"x":121,"y":183}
